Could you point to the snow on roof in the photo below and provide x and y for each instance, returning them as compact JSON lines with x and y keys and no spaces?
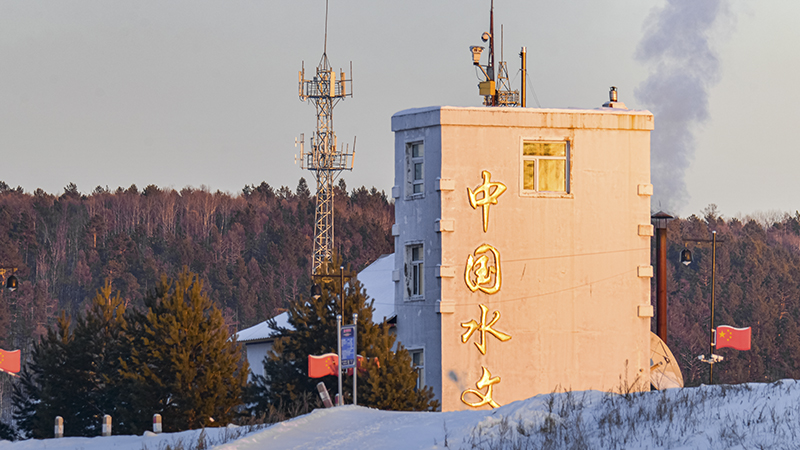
{"x":376,"y":278}
{"x":261,"y":331}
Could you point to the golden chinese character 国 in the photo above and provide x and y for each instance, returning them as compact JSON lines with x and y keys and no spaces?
{"x":489,"y":192}
{"x":473,"y":326}
{"x":484,"y":270}
{"x":488,"y":382}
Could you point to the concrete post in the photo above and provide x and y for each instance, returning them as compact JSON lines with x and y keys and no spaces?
{"x":156,"y":423}
{"x":58,"y":431}
{"x":106,"y":425}
{"x":323,"y":394}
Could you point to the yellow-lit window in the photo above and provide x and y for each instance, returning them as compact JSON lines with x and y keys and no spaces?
{"x":545,"y":166}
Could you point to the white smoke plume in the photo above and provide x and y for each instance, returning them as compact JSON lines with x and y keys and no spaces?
{"x":683,"y":67}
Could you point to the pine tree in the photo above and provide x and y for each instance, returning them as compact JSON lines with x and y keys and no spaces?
{"x":388,"y":384}
{"x":73,"y":372}
{"x":101,"y":344}
{"x":39,"y":395}
{"x":182,"y":365}
{"x":7,"y":432}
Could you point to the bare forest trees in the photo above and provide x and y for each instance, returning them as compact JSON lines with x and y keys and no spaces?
{"x":252,"y":250}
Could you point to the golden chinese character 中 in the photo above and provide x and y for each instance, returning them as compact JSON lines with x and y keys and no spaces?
{"x":484,"y":270}
{"x":489,"y":192}
{"x":488,"y":382}
{"x":473,"y":326}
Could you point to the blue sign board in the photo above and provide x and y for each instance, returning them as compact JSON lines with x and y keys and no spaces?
{"x":348,"y":356}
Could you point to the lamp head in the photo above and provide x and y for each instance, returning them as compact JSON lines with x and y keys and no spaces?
{"x":486,"y":36}
{"x":476,"y":54}
{"x":12,"y":283}
{"x":316,"y":291}
{"x":686,"y":257}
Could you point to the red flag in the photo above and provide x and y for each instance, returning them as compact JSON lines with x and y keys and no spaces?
{"x":362,"y":364}
{"x":9,"y":361}
{"x":737,"y":338}
{"x":322,"y":366}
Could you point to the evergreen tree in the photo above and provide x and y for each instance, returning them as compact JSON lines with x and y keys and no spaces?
{"x":388,"y":384}
{"x":101,"y":344}
{"x":42,"y":390}
{"x":73,"y":372}
{"x":182,"y":365}
{"x":7,"y":432}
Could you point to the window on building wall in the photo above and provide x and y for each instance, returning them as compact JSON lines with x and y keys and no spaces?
{"x":418,"y":363}
{"x":415,"y":155}
{"x":545,"y":166}
{"x":414,"y":272}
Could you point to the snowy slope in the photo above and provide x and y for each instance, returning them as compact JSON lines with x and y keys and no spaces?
{"x":732,"y":417}
{"x":744,"y":416}
{"x":186,"y":440}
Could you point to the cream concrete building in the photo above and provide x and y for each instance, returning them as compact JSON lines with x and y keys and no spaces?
{"x":522,"y":250}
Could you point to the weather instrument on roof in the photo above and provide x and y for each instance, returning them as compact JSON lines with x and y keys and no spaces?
{"x":664,"y":370}
{"x":496,"y":87}
{"x":326,"y":159}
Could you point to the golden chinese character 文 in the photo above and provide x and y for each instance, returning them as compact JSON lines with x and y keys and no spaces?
{"x":489,"y":192}
{"x":486,"y":381}
{"x":483,"y":272}
{"x":473,"y":326}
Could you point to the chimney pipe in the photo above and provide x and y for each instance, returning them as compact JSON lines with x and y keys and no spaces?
{"x":661,"y":218}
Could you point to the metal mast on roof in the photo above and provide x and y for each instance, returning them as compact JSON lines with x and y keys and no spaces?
{"x":326,"y":159}
{"x":496,"y":87}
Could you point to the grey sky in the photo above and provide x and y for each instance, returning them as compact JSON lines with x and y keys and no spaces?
{"x":178,"y":93}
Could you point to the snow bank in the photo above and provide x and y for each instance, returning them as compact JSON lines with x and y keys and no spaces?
{"x":732,"y":417}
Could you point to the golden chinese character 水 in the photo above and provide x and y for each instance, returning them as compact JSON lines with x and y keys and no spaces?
{"x":483,"y":270}
{"x":488,"y":382}
{"x":472,"y":326}
{"x":489,"y":192}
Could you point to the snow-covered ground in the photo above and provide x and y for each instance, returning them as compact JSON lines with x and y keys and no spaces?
{"x":185,"y":440}
{"x":745,"y":416}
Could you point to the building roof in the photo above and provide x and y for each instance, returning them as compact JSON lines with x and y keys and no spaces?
{"x":376,"y":280}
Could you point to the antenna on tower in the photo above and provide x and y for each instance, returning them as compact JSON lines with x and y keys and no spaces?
{"x":496,"y":88}
{"x":325,"y":158}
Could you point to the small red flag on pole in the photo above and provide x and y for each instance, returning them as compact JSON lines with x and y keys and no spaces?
{"x":362,"y":365}
{"x":9,"y":361}
{"x":736,"y":338}
{"x":323,"y":365}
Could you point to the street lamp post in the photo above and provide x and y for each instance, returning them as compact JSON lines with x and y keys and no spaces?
{"x":713,"y":297}
{"x":686,"y":259}
{"x":316,"y":292}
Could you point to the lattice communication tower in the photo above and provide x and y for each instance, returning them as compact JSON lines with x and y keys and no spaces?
{"x":326,"y":159}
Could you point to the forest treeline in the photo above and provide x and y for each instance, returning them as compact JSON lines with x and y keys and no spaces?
{"x":251,"y":250}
